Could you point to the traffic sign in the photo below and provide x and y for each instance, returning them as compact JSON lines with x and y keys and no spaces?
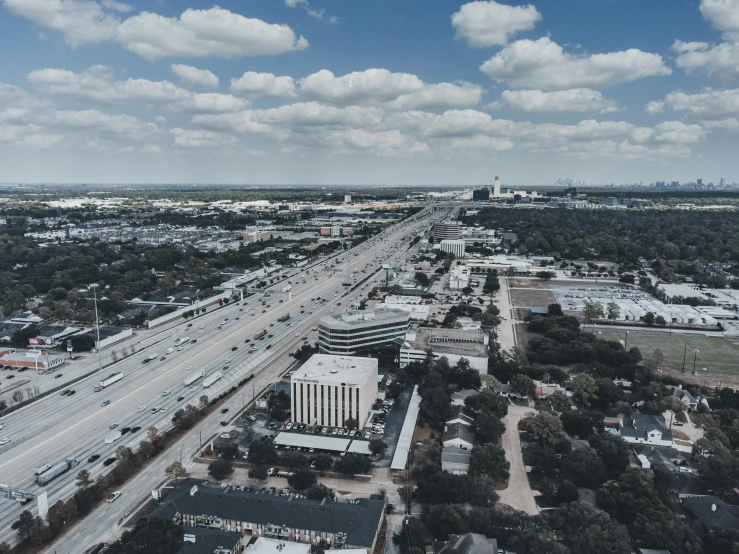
{"x":11,"y":493}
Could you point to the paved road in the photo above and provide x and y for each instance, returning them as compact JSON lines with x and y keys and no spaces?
{"x":502,"y":299}
{"x":86,"y":425}
{"x":518,"y":494}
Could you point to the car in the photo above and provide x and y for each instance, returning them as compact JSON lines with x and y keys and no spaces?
{"x":164,"y":410}
{"x":125,"y":430}
{"x":194,"y":389}
{"x":251,"y":418}
{"x":238,"y":318}
{"x":224,"y":423}
{"x":166,"y":393}
{"x":250,"y":350}
{"x":219,"y":327}
{"x":6,"y":440}
{"x":58,"y":375}
{"x":200,"y":332}
{"x":188,"y":368}
{"x":155,"y":409}
{"x":71,"y":392}
{"x":65,"y":392}
{"x":269,"y":336}
{"x":105,"y":402}
{"x":113,"y":425}
{"x":142,"y":408}
{"x":225,"y":367}
{"x":228,"y":360}
{"x":193,"y":341}
{"x":268,"y":347}
{"x":162,"y":358}
{"x":189,"y":324}
{"x":109,"y":461}
{"x":93,"y":458}
{"x":678,"y":423}
{"x":10,"y":377}
{"x":264,"y":311}
{"x":180,"y":349}
{"x":202,"y":326}
{"x":271,"y":324}
{"x":134,"y":429}
{"x":224,"y":410}
{"x":180,"y":398}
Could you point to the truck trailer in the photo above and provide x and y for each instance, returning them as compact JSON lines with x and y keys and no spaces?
{"x":55,"y":471}
{"x":283,"y":318}
{"x":114,"y":436}
{"x":194,"y":377}
{"x":109,"y":381}
{"x":212,"y":379}
{"x":260,"y":334}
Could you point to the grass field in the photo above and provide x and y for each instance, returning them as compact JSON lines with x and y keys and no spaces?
{"x":720,"y":356}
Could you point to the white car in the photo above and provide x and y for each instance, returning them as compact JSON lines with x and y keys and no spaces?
{"x":180,"y":349}
{"x":142,"y":408}
{"x":188,"y":368}
{"x":228,"y":360}
{"x":6,"y":440}
{"x":200,"y":332}
{"x":194,"y":389}
{"x":166,"y":393}
{"x":202,"y":326}
{"x":164,"y":410}
{"x":113,"y":497}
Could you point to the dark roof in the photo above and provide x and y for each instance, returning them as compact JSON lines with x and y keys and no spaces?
{"x":462,"y":413}
{"x":639,"y":425}
{"x":580,"y":445}
{"x":711,"y":511}
{"x":454,"y":455}
{"x":652,"y":551}
{"x":207,"y":540}
{"x":359,"y":521}
{"x":458,"y":431}
{"x":689,"y":484}
{"x":469,"y":543}
{"x":539,"y":311}
{"x":659,"y":454}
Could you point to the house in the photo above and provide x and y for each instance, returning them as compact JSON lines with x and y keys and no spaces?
{"x":546,"y":389}
{"x":459,"y":397}
{"x":710,"y":512}
{"x":469,"y":543}
{"x":459,"y":435}
{"x":688,"y":485}
{"x":652,"y":551}
{"x":462,"y":415}
{"x":684,"y":396}
{"x":651,"y":456}
{"x":646,"y":429}
{"x":455,"y":460}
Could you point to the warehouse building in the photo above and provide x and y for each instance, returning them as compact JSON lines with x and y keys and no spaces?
{"x":345,"y":334}
{"x":454,"y":344}
{"x":329,"y":390}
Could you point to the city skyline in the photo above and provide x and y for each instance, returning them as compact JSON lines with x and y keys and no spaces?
{"x":322,"y":92}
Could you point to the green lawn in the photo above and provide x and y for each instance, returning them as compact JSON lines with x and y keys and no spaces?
{"x":720,"y":356}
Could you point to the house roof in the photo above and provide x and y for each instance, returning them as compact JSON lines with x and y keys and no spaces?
{"x":454,"y":455}
{"x":688,"y":484}
{"x":360,"y":521}
{"x":469,"y":543}
{"x":458,"y":431}
{"x":640,"y":425}
{"x":652,"y":551}
{"x":711,"y":511}
{"x":659,"y":454}
{"x":681,"y":393}
{"x":463,"y":414}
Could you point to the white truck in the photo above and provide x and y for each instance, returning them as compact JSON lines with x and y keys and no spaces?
{"x":150,"y":358}
{"x":109,"y":381}
{"x":114,"y":436}
{"x":288,"y":288}
{"x":212,"y":379}
{"x":183,"y":340}
{"x":194,"y":377}
{"x":56,"y":471}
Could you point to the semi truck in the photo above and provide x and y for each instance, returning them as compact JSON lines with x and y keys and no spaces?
{"x":56,"y":470}
{"x":183,"y":340}
{"x":150,"y":357}
{"x":114,"y":436}
{"x":194,"y":377}
{"x":109,"y":381}
{"x":260,"y":334}
{"x":284,"y":318}
{"x":212,"y":379}
{"x":288,"y":288}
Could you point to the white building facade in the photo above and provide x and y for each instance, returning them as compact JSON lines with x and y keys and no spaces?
{"x":455,"y":247}
{"x":346,"y":334}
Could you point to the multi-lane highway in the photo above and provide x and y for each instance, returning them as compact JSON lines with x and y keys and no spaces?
{"x":58,"y":426}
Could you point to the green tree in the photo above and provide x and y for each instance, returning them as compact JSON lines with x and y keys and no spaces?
{"x":176,"y":470}
{"x":593,"y":310}
{"x":153,"y":536}
{"x":613,"y":311}
{"x":258,"y":472}
{"x":649,"y":318}
{"x":554,"y":310}
{"x":302,"y":479}
{"x":23,"y":524}
{"x":584,"y":389}
{"x":559,"y":402}
{"x":488,"y":428}
{"x":323,"y":462}
{"x":377,"y":446}
{"x":661,"y":321}
{"x":262,"y":452}
{"x":545,"y":428}
{"x":83,"y":479}
{"x":422,"y":279}
{"x":488,"y":401}
{"x":523,"y":385}
{"x":319,"y":492}
{"x":220,"y":469}
{"x":353,"y":464}
{"x":489,"y":459}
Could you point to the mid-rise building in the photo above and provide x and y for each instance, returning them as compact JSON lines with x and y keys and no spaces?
{"x":257,"y":236}
{"x":454,"y":344}
{"x":455,"y":247}
{"x":347,"y":333}
{"x":481,"y":195}
{"x":447,"y":230}
{"x":333,"y":231}
{"x":329,"y":390}
{"x":459,"y":277}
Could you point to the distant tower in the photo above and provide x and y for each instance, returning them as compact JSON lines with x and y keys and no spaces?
{"x":722,"y":183}
{"x":347,"y":199}
{"x":496,"y":188}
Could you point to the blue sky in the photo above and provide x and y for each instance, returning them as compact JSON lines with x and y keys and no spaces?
{"x":362,"y":93}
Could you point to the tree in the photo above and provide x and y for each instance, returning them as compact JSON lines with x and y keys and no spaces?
{"x":544,"y":428}
{"x":661,"y":321}
{"x":489,"y":459}
{"x":83,"y":479}
{"x":353,"y":464}
{"x":302,"y":479}
{"x":545,"y":275}
{"x":3,"y":406}
{"x":585,"y":389}
{"x":323,"y":462}
{"x":229,"y":451}
{"x":422,"y":279}
{"x":18,"y":396}
{"x":220,"y":469}
{"x":523,"y":385}
{"x":319,"y":492}
{"x":176,"y":470}
{"x":657,"y":359}
{"x":613,"y":311}
{"x":23,"y":524}
{"x":488,"y":401}
{"x":153,"y":536}
{"x":593,"y":310}
{"x":351,"y":423}
{"x":649,"y":318}
{"x":258,"y":472}
{"x":554,"y":310}
{"x":672,"y":404}
{"x":627,"y":278}
{"x":588,"y":530}
{"x":152,"y":434}
{"x":488,"y":428}
{"x":559,"y":402}
{"x":262,"y":452}
{"x":40,"y":532}
{"x":377,"y":446}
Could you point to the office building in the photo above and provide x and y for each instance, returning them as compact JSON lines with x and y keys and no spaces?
{"x":496,"y":188}
{"x":447,"y":230}
{"x":347,"y":333}
{"x":329,"y":390}
{"x":454,"y":344}
{"x":481,"y":195}
{"x":459,"y":277}
{"x":195,"y":504}
{"x":256,"y":236}
{"x":455,"y":247}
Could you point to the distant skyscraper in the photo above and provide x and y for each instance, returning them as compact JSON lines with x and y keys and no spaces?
{"x":496,"y":188}
{"x":722,"y":183}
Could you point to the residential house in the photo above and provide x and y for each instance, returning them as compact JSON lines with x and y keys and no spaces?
{"x":710,"y":512}
{"x":469,"y":543}
{"x":459,"y":397}
{"x":459,"y":435}
{"x":690,"y":401}
{"x":455,"y":460}
{"x":646,"y":429}
{"x":462,"y":415}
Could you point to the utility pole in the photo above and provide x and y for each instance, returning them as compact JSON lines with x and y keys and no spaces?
{"x":685,"y":353}
{"x":695,"y":356}
{"x":97,"y":325}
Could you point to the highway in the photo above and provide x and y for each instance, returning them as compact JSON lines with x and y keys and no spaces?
{"x":58,"y":427}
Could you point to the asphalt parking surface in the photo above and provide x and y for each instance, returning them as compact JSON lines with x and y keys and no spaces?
{"x":393,"y":425}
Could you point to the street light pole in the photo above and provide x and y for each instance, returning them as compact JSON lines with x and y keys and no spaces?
{"x":695,"y":355}
{"x":97,"y":324}
{"x":626,"y":342}
{"x":685,"y":353}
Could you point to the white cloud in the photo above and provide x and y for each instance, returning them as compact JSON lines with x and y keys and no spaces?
{"x":313,"y":114}
{"x":719,"y":62}
{"x":14,"y":115}
{"x":295,"y":3}
{"x":654,"y":107}
{"x":192,"y":75}
{"x":723,"y":15}
{"x":571,"y":100}
{"x":116,"y":6}
{"x":151,"y":149}
{"x":28,"y":135}
{"x":381,"y":143}
{"x":260,"y":85}
{"x":160,"y":119}
{"x":198,"y":138}
{"x":489,"y":23}
{"x":543,"y":64}
{"x":241,"y":122}
{"x":214,"y":32}
{"x":96,"y":85}
{"x":677,"y":132}
{"x":105,"y":125}
{"x":481,"y":142}
{"x":709,"y":104}
{"x":394,"y":90}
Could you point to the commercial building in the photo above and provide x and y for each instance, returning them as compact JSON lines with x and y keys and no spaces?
{"x":455,"y":247}
{"x":459,"y":277}
{"x":329,"y":390}
{"x":447,"y":230}
{"x":347,"y":333}
{"x":334,"y":231}
{"x":481,"y":195}
{"x":286,"y":518}
{"x":453,"y":344}
{"x":256,"y":236}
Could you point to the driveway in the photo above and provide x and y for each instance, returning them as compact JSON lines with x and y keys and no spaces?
{"x":518,"y":494}
{"x":694,"y":433}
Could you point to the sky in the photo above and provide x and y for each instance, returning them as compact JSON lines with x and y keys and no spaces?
{"x":359,"y":92}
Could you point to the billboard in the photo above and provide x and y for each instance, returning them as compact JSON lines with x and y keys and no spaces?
{"x":69,"y":346}
{"x":40,"y":341}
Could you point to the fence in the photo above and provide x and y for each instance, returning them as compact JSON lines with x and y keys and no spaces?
{"x":124,"y":334}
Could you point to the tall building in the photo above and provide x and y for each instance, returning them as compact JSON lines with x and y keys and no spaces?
{"x":447,"y":230}
{"x":329,"y":390}
{"x":347,"y":333}
{"x":456,"y":247}
{"x":481,"y":195}
{"x":496,"y":187}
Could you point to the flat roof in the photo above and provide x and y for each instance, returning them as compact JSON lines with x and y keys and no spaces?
{"x":400,"y":458}
{"x":450,"y":341}
{"x":360,"y":447}
{"x":264,"y":545}
{"x":362,"y":319}
{"x":322,"y":442}
{"x":339,"y":370}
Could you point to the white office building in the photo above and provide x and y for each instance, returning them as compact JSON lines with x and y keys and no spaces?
{"x":447,"y":230}
{"x":329,"y":390}
{"x":455,"y":247}
{"x":347,"y":333}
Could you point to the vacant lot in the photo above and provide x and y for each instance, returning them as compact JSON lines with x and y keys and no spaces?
{"x":719,"y":356}
{"x":531,"y":297}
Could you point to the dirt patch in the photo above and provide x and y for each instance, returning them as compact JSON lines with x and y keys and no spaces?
{"x":422,"y":434}
{"x":679,"y":435}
